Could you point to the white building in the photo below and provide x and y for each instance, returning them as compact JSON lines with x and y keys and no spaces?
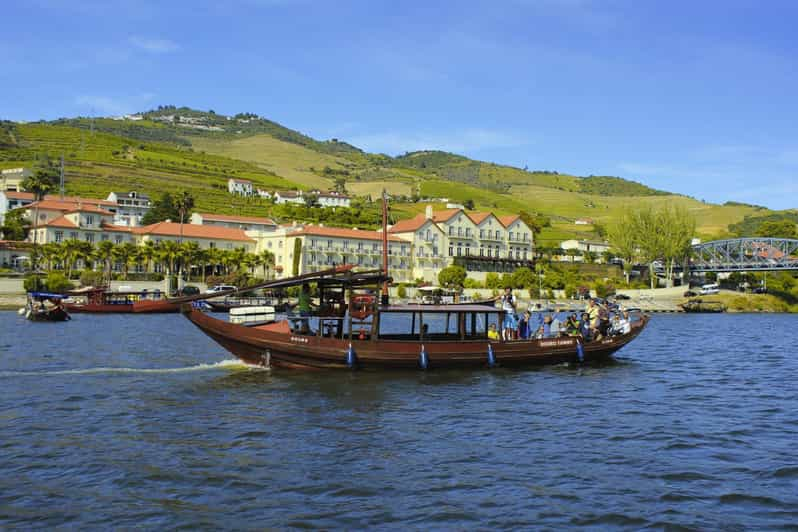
{"x":289,"y":196}
{"x":242,"y":187}
{"x":333,"y":199}
{"x":12,"y":178}
{"x":481,"y":242}
{"x":584,"y":246}
{"x":130,"y":207}
{"x":245,"y":223}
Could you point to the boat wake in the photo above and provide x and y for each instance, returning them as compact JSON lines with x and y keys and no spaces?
{"x":228,"y":365}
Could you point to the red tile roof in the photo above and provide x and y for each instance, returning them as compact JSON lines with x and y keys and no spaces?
{"x":509,"y":219}
{"x":193,"y":231}
{"x":242,"y":219}
{"x":444,"y":215}
{"x":117,"y":228}
{"x":10,"y":194}
{"x":478,"y":217}
{"x":69,"y":206}
{"x":406,"y":226}
{"x":61,"y":221}
{"x":340,"y":232}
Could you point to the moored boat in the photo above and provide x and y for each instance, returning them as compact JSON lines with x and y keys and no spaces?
{"x":43,"y":306}
{"x":105,"y":301}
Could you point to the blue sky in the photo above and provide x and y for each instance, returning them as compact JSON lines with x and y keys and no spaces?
{"x":693,"y":97}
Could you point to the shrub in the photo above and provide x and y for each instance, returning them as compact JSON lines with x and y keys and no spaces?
{"x":33,"y":282}
{"x":58,"y":283}
{"x":92,"y":278}
{"x":472,"y":283}
{"x":401,"y":291}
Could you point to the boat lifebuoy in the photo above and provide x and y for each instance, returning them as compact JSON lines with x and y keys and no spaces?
{"x":362,"y":306}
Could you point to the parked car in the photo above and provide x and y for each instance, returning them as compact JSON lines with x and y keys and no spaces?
{"x":188,"y":290}
{"x":690,"y":293}
{"x":760,"y":290}
{"x":220,"y":288}
{"x":621,"y":296}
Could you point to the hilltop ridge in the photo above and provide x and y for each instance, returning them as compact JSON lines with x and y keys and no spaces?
{"x":172,"y":147}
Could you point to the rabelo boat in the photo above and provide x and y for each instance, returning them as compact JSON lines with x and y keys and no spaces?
{"x":353,"y":328}
{"x":44,"y":306}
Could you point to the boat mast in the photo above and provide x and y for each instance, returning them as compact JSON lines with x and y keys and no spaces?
{"x":384,"y":299}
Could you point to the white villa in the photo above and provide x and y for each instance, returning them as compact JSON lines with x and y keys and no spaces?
{"x":241,"y":187}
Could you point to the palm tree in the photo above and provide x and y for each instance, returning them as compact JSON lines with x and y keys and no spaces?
{"x":214,"y":256}
{"x":184,"y":205}
{"x":70,"y":250}
{"x":238,"y":257}
{"x":44,"y":180}
{"x":49,"y":252}
{"x":126,"y":254}
{"x":147,"y":252}
{"x":167,"y":253}
{"x":266,"y":259}
{"x":104,"y":253}
{"x":190,"y":253}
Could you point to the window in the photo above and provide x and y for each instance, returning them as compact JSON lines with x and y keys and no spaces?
{"x":497,"y":234}
{"x":90,"y":219}
{"x":468,"y":232}
{"x":511,"y":235}
{"x":270,"y":244}
{"x":459,"y":231}
{"x":360,"y":246}
{"x":429,"y":235}
{"x":73,"y":235}
{"x":451,"y":251}
{"x":213,"y":244}
{"x":468,"y":249}
{"x":459,"y":249}
{"x":329,"y":244}
{"x":59,"y":236}
{"x":89,"y":237}
{"x":481,"y":233}
{"x":451,"y":231}
{"x":490,"y":251}
{"x":481,"y":251}
{"x":104,"y":237}
{"x":118,"y":239}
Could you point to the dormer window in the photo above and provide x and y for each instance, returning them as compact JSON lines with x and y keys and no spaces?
{"x":90,"y":219}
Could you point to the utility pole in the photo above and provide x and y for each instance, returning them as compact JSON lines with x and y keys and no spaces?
{"x":61,"y":188}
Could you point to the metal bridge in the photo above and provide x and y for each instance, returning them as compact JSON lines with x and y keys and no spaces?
{"x":745,"y":255}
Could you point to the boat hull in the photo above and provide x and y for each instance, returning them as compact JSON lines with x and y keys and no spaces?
{"x":271,"y":347}
{"x":99,"y":309}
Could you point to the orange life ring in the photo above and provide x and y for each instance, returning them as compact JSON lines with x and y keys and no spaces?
{"x":362,"y":306}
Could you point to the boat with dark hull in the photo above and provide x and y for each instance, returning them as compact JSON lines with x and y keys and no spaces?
{"x":102,"y":300}
{"x":390,"y":337}
{"x":43,"y":306}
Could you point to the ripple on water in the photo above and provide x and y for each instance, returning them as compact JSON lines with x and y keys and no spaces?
{"x":119,"y":430}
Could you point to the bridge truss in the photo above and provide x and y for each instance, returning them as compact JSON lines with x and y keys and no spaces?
{"x":745,"y":254}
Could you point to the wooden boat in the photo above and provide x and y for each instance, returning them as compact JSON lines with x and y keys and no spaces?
{"x":43,"y":306}
{"x":700,"y":306}
{"x":393,"y":337}
{"x":105,"y":301}
{"x":229,"y":303}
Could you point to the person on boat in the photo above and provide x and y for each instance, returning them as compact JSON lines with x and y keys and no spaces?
{"x":585,"y":330}
{"x":525,"y":326}
{"x":541,"y":333}
{"x":625,"y":323}
{"x":493,"y":334}
{"x":509,"y":305}
{"x":546,"y":327}
{"x":572,"y":326}
{"x":557,"y":327}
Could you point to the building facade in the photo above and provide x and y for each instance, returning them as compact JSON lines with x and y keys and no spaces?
{"x":246,"y":223}
{"x":241,"y":187}
{"x":12,"y":178}
{"x":130,"y":207}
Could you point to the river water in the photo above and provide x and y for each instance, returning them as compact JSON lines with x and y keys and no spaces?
{"x":141,"y":421}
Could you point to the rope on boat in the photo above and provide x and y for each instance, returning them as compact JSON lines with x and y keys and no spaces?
{"x":423,"y":359}
{"x":491,"y":356}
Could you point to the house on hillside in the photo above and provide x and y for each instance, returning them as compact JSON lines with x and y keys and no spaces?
{"x":333,"y":199}
{"x":131,"y":207}
{"x":12,"y":178}
{"x":241,"y":187}
{"x":289,"y":196}
{"x":583,"y":221}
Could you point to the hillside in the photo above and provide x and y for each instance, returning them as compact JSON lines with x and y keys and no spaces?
{"x":173,"y":148}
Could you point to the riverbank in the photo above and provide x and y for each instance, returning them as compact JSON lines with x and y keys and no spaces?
{"x":742,"y":302}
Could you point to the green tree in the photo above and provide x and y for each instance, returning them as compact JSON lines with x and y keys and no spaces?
{"x":452,"y":276}
{"x":469,"y":204}
{"x":781,"y":229}
{"x":15,"y":226}
{"x":104,"y":252}
{"x":266,"y":260}
{"x":125,"y":254}
{"x":523,"y":278}
{"x":162,"y":209}
{"x":297,"y":256}
{"x":43,"y":180}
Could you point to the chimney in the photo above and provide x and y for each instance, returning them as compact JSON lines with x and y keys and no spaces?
{"x":428,"y":212}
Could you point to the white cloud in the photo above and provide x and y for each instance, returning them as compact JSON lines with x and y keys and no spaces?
{"x":467,"y":140}
{"x":154,"y":45}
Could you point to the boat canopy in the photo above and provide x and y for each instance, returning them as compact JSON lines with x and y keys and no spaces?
{"x":45,"y":295}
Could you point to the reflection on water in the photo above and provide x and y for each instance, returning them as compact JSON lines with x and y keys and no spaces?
{"x":141,"y":421}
